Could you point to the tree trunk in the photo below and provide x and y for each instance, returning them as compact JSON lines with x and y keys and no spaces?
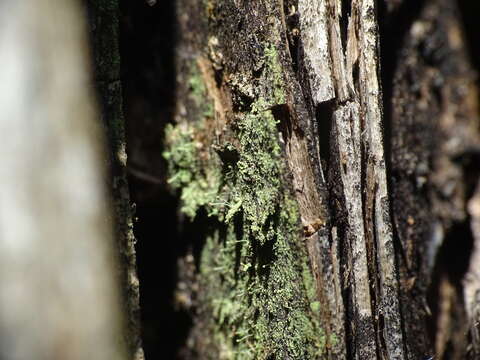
{"x":326,"y":210}
{"x":325,"y":152}
{"x":58,"y":298}
{"x":434,"y":129}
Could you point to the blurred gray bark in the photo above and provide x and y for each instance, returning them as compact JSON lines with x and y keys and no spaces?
{"x":58,"y":298}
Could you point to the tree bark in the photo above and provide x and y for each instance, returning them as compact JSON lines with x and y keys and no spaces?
{"x":434,"y":127}
{"x":58,"y":298}
{"x":324,"y":229}
{"x":104,"y":25}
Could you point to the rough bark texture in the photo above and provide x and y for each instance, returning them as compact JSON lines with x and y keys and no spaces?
{"x":257,"y":298}
{"x":279,"y":128}
{"x":472,"y":279}
{"x":57,"y":293}
{"x":104,"y":24}
{"x":358,"y":172}
{"x":434,"y":128}
{"x":254,"y":81}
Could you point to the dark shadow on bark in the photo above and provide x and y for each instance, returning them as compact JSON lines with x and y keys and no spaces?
{"x":452,"y":263}
{"x":455,"y":252}
{"x":324,"y":116}
{"x":393,"y":29}
{"x":469,"y":11}
{"x":147,"y":41}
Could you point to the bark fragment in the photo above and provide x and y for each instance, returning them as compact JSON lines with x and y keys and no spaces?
{"x":357,"y":130}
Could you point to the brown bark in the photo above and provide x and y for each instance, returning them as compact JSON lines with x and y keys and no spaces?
{"x":373,"y":279}
{"x":434,"y":124}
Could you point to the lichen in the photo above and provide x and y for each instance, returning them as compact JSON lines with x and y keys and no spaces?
{"x":255,"y":178}
{"x":198,"y":92}
{"x":257,"y":293}
{"x":197,"y":179}
{"x":254,"y":274}
{"x":274,"y":70}
{"x":192,"y":164}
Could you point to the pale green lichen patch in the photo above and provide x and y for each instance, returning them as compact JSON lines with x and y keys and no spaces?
{"x":193,"y":166}
{"x":255,"y":178}
{"x":274,"y":71}
{"x":257,"y":294}
{"x":198,"y":92}
{"x":197,"y":179}
{"x":256,"y":287}
{"x":253,"y":277}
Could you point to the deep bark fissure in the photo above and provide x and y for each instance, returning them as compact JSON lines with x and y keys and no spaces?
{"x":393,"y":28}
{"x":164,"y":241}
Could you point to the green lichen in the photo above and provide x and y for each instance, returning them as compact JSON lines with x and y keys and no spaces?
{"x":198,"y":180}
{"x":274,"y":70}
{"x":255,"y":178}
{"x":192,"y":164}
{"x":199,"y":92}
{"x":257,"y":293}
{"x":254,"y":275}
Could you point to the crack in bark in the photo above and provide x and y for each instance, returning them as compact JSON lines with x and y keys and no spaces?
{"x":357,"y":116}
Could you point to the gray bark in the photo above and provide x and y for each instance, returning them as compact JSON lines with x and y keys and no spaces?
{"x":58,"y":298}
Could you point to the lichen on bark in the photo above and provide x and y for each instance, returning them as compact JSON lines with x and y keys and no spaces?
{"x":252,"y":267}
{"x":257,"y":297}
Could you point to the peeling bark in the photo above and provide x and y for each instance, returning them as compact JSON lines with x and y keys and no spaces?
{"x":357,"y":133}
